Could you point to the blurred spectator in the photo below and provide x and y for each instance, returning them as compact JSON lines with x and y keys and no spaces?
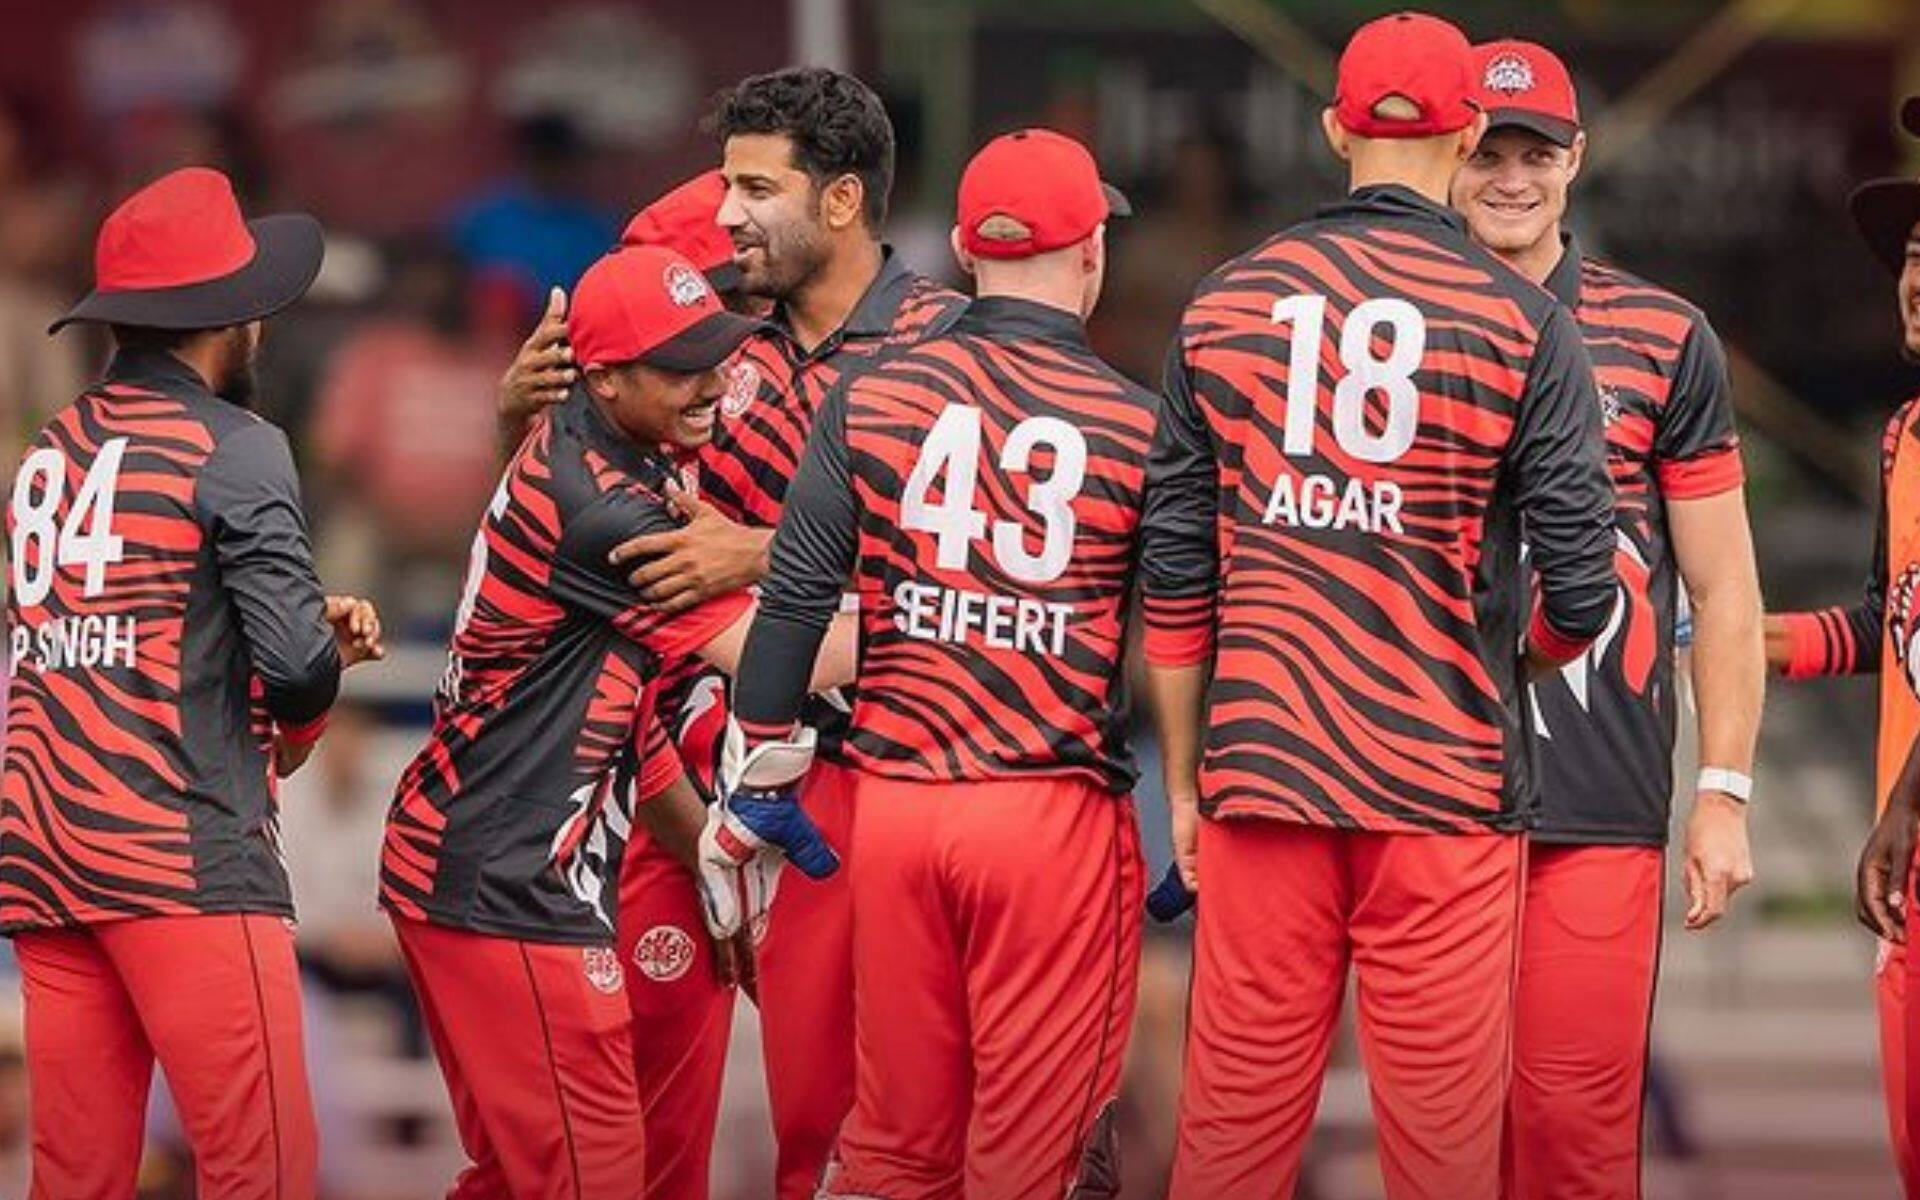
{"x":41,"y":237}
{"x":332,"y":819}
{"x":404,"y":435}
{"x":1189,"y":223}
{"x":535,"y":231}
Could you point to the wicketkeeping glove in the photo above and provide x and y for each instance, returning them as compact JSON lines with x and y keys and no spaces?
{"x":756,"y":823}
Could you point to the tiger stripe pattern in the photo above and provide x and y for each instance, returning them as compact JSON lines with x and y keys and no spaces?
{"x":1607,"y":721}
{"x":995,"y":654}
{"x":1360,"y":379}
{"x":119,"y":798}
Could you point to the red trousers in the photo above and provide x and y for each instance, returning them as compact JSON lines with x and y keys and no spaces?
{"x":996,"y":954}
{"x":682,"y":1017}
{"x":1589,"y":952}
{"x":216,"y":999}
{"x":1430,"y":926}
{"x":533,"y":1039}
{"x":806,"y":994}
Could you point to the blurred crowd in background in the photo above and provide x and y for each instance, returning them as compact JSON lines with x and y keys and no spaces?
{"x":468,"y":155}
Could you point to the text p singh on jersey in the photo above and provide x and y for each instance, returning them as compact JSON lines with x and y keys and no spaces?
{"x":79,"y":641}
{"x":933,"y":613}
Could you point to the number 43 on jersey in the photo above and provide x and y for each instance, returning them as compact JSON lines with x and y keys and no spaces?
{"x":952,"y":452}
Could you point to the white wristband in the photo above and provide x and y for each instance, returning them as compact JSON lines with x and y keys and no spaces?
{"x":1720,"y":779}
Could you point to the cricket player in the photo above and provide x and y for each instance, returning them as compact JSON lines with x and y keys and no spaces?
{"x":1373,"y":404}
{"x":984,"y":492}
{"x":504,"y":841}
{"x":1879,"y":634}
{"x":808,"y":163}
{"x":1589,"y":948}
{"x":170,"y":648}
{"x":807,"y":154}
{"x":680,"y":981}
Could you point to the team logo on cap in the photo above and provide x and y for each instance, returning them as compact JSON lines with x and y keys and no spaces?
{"x":743,"y":383}
{"x":684,"y":286}
{"x":603,"y":969}
{"x":1509,"y":74}
{"x":663,"y":953}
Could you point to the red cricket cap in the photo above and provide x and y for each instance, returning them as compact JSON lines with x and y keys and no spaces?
{"x":1032,"y":191}
{"x":1526,"y":86}
{"x":686,"y":219}
{"x":649,"y":304}
{"x":1419,"y":58}
{"x":177,"y":254}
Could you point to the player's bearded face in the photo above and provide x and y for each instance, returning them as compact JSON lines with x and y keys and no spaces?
{"x":659,"y":408}
{"x":1512,"y":189}
{"x":772,"y":212}
{"x":1909,"y":293}
{"x":237,"y":384}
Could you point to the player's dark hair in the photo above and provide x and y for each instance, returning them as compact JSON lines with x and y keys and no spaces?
{"x":145,"y":337}
{"x":836,"y":123}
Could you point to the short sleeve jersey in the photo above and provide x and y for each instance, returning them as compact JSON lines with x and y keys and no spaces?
{"x":1606,"y":721}
{"x":163,"y":615}
{"x":513,"y":817}
{"x":1375,"y":402}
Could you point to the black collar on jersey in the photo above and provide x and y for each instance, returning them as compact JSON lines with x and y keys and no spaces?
{"x":156,"y":371}
{"x":1564,"y":280}
{"x":1392,"y":200}
{"x":581,"y":414}
{"x":872,"y":315}
{"x":1009,"y":318}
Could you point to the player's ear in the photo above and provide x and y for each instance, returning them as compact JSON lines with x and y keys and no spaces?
{"x":960,"y":254}
{"x":1337,"y":136}
{"x":1578,"y":151}
{"x":842,"y":201}
{"x":1471,"y":135}
{"x":600,"y":385}
{"x":1093,"y":251}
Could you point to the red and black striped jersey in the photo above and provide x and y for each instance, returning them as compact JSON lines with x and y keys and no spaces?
{"x":777,"y":388}
{"x":1606,"y":721}
{"x":774,"y":395}
{"x":513,"y":817}
{"x":984,"y":491}
{"x":163,"y":616}
{"x":1369,"y":405}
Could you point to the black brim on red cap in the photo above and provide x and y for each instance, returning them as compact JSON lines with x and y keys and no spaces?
{"x":1554,"y":129}
{"x":287,"y":251}
{"x":726,"y":277}
{"x":1886,"y":210}
{"x":1117,"y":202}
{"x":703,"y":345}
